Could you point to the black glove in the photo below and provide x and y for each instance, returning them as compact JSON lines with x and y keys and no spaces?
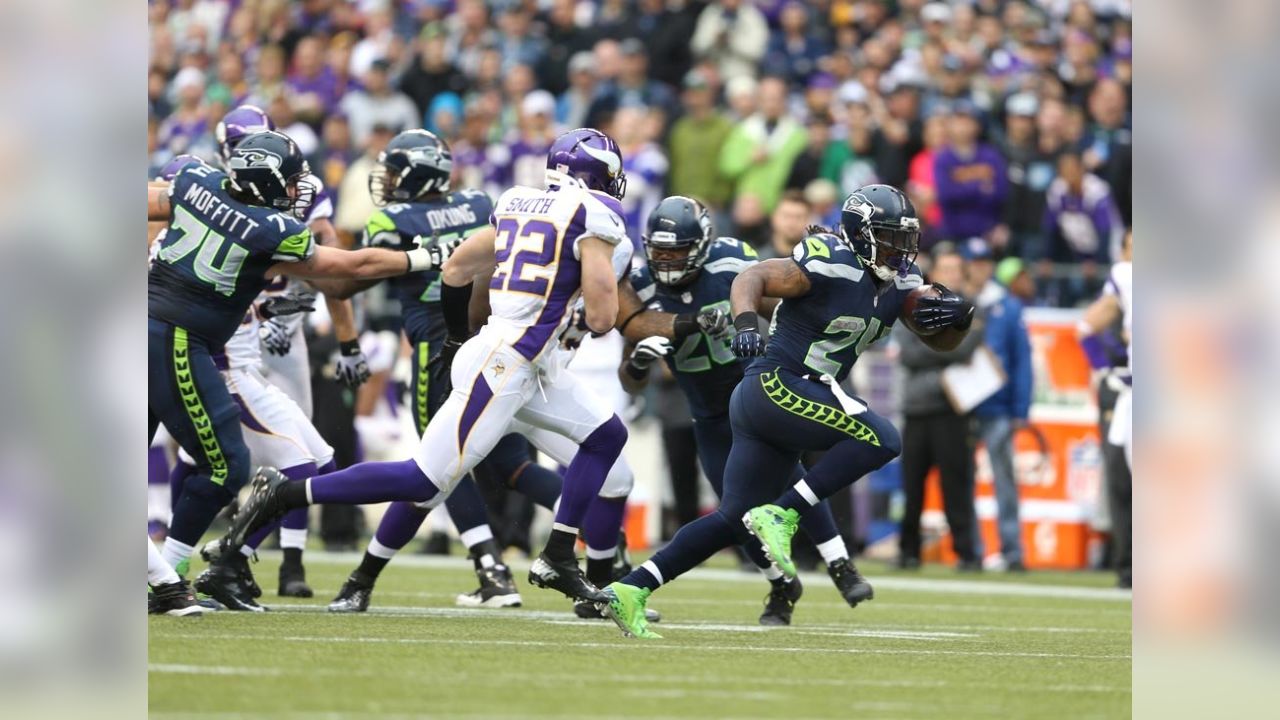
{"x":352,"y":368}
{"x":447,"y":353}
{"x":278,"y":305}
{"x":747,"y":343}
{"x":946,"y":310}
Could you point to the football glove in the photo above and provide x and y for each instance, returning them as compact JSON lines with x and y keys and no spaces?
{"x":278,"y":305}
{"x":430,"y":253}
{"x":447,"y":353}
{"x":276,"y":335}
{"x":572,"y":336}
{"x":946,"y":310}
{"x":352,"y":368}
{"x":747,"y":343}
{"x":648,"y":350}
{"x":714,"y":322}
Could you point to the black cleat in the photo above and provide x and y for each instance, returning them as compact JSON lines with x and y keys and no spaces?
{"x":852,"y":586}
{"x":497,"y":589}
{"x":354,"y":595}
{"x":224,"y":581}
{"x":293,"y":581}
{"x":565,"y":576}
{"x":261,"y":507}
{"x":212,"y":552}
{"x":591,"y":611}
{"x":781,"y":602}
{"x":174,"y":599}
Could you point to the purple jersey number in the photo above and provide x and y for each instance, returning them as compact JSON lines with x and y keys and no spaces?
{"x":518,"y":246}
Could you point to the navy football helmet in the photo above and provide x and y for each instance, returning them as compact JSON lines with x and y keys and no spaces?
{"x":267,"y":169}
{"x":591,"y":157}
{"x":678,"y":223}
{"x":415,"y":163}
{"x":879,"y":223}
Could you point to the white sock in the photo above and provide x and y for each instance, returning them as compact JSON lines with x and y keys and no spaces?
{"x":379,"y":550}
{"x":247,"y":551}
{"x":487,"y":561}
{"x":601,"y":554}
{"x":654,"y":571}
{"x":159,"y":572}
{"x":564,"y":528}
{"x":476,"y":535}
{"x":293,"y":538}
{"x":833,"y":550}
{"x":771,"y":572}
{"x":175,"y":552}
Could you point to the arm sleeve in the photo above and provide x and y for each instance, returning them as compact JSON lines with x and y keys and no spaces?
{"x":297,"y":245}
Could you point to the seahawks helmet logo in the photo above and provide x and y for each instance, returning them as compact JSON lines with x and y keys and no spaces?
{"x":254,"y":158}
{"x":859,"y":203}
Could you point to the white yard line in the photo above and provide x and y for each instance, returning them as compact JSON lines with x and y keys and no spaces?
{"x":960,"y":587}
{"x":621,"y":644}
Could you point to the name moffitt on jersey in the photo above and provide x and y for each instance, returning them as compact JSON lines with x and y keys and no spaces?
{"x":845,"y":311}
{"x":213,"y":259}
{"x":538,"y":275}
{"x":704,"y":366}
{"x":454,"y":216}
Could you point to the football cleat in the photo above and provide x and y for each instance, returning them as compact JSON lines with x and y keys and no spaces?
{"x":175,"y":599}
{"x":852,"y":586}
{"x":293,"y":582}
{"x":781,"y":602}
{"x":565,"y":576}
{"x":497,"y":589}
{"x":224,"y":581}
{"x":592,"y":611}
{"x":212,"y":552}
{"x":262,"y":506}
{"x":354,"y":595}
{"x":624,"y":605}
{"x":774,"y":527}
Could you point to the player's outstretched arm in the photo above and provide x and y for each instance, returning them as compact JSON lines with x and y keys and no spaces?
{"x":366,"y":263}
{"x":158,"y":200}
{"x":777,"y":278}
{"x":599,"y":284}
{"x":637,"y":322}
{"x":474,"y":256}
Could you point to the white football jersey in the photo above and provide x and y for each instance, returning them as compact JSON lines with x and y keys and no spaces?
{"x":538,"y":275}
{"x":1120,"y":284}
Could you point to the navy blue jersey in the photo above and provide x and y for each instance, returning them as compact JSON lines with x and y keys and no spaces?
{"x":213,"y":259}
{"x":455,"y":215}
{"x":844,"y":312}
{"x":704,"y":366}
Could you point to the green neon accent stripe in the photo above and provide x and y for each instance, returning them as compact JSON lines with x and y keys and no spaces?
{"x":379,"y":222}
{"x":195,"y":408}
{"x":817,"y":248}
{"x":297,"y":245}
{"x":833,"y":418}
{"x":423,"y":390}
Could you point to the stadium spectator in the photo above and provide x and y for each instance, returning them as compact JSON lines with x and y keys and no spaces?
{"x":336,"y":152}
{"x":575,"y":102}
{"x":188,"y":123}
{"x":1083,"y":229}
{"x":734,"y":35}
{"x":632,"y":85}
{"x":378,"y":104}
{"x":934,"y":434}
{"x":787,"y":224}
{"x":1032,"y":166}
{"x":518,"y":44}
{"x":809,"y":164}
{"x":921,"y":186}
{"x":694,"y":139}
{"x":645,"y":164}
{"x":667,"y":31}
{"x":794,"y":52}
{"x":1000,"y":416}
{"x":758,"y":153}
{"x":970,"y":176}
{"x":1109,"y":143}
{"x":379,"y":41}
{"x":430,"y":72}
{"x":354,"y":204}
{"x":566,"y":40}
{"x":898,"y":133}
{"x":312,"y":85}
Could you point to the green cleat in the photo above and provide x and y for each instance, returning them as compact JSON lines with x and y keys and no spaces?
{"x":774,"y":527}
{"x":626,"y":609}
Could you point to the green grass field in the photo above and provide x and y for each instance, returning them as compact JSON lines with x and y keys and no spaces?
{"x":931,"y":645}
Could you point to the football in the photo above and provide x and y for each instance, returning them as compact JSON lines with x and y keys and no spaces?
{"x":909,"y":307}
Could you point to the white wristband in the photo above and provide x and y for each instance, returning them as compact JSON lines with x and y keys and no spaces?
{"x":420,"y":259}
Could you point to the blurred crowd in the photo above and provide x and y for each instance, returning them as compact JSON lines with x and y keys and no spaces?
{"x":1007,"y":121}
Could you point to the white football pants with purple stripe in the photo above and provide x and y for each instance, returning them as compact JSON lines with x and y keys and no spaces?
{"x":493,"y":387}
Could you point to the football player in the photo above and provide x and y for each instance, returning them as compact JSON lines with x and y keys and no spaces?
{"x":229,"y":233}
{"x":840,"y":293}
{"x":545,"y":248}
{"x":688,"y":269}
